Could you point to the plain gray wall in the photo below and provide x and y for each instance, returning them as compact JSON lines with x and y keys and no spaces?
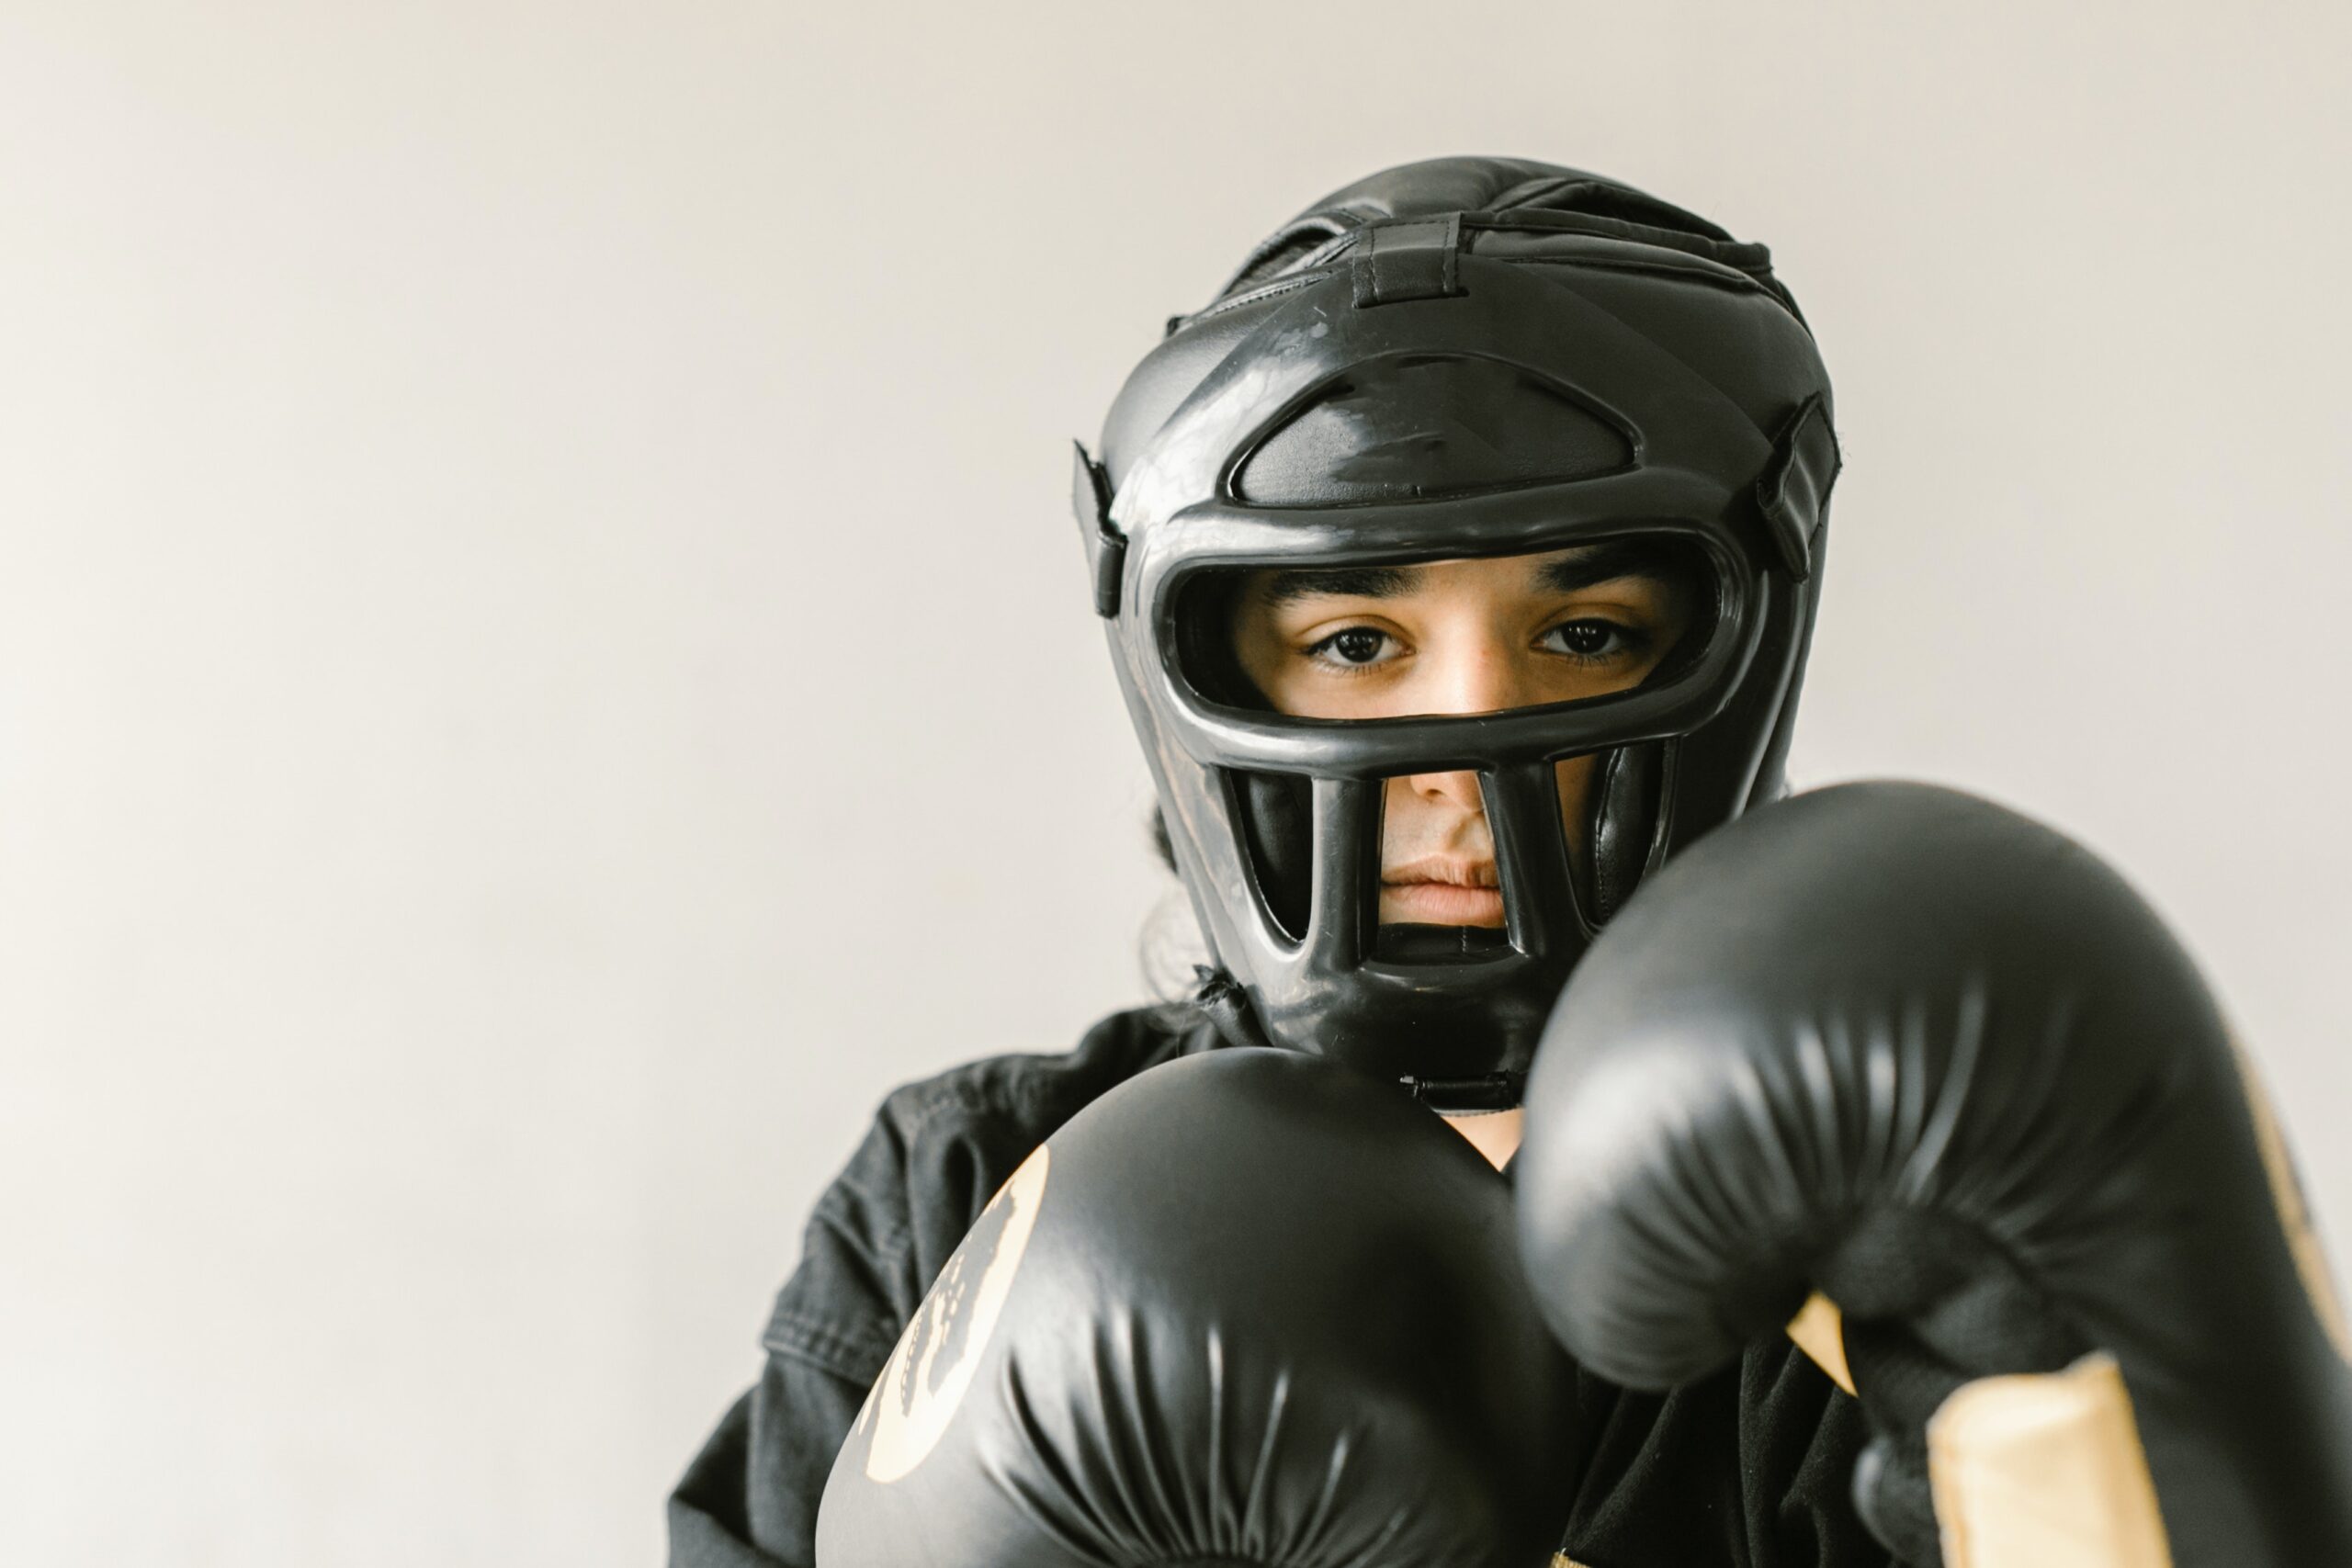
{"x":543,"y":663}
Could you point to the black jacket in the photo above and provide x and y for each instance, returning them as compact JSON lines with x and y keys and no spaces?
{"x":1746,"y":1470}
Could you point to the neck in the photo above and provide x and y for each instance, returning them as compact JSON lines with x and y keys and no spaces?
{"x":1494,"y":1134}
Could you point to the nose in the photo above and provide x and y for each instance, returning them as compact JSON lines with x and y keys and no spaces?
{"x":1480,"y":676}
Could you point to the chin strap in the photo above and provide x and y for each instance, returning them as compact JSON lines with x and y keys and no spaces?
{"x":1221,"y":999}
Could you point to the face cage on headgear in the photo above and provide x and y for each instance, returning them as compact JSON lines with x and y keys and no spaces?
{"x":1461,"y":1026}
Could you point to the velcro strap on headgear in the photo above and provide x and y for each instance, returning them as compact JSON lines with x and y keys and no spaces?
{"x":1793,"y":489}
{"x":1418,"y":260}
{"x":1106,"y":548}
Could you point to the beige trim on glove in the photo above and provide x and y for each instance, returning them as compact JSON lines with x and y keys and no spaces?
{"x":2044,"y":1471}
{"x":909,"y":1406}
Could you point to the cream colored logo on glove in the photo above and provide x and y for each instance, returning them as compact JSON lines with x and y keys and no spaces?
{"x":917,"y":1395}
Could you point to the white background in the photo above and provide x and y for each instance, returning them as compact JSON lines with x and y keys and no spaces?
{"x":544,"y":665}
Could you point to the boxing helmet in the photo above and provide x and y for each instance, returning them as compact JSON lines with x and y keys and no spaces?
{"x":1457,"y":358}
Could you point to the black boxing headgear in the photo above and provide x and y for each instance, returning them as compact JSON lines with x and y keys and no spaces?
{"x":1458,"y":358}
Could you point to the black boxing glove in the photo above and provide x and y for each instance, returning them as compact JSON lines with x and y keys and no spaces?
{"x":1905,"y":1048}
{"x":1248,"y":1307}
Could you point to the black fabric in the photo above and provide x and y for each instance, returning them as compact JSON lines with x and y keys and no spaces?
{"x":1748,"y":1467}
{"x":938,"y":1150}
{"x":1748,"y":1470}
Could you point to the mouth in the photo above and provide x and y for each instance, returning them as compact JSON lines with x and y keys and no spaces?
{"x":1438,"y":892}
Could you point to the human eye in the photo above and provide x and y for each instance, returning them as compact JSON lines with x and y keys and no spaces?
{"x":1353,"y":648}
{"x":1593,"y":640}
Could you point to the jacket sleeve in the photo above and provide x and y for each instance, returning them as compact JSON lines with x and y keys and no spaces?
{"x":878,"y":1237}
{"x":749,"y":1498}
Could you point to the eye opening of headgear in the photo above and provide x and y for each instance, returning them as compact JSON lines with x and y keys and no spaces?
{"x":1223,"y":719}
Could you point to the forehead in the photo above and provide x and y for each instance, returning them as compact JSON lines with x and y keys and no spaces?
{"x":1545,"y":571}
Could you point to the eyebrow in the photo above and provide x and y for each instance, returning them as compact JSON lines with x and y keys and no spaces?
{"x":1606,"y":563}
{"x":1563,"y":574}
{"x":1292,"y":584}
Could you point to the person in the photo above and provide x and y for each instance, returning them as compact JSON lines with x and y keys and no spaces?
{"x":1458,"y":562}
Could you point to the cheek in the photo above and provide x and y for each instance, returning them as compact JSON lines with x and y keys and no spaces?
{"x":1403,"y":816}
{"x":1258,"y":658}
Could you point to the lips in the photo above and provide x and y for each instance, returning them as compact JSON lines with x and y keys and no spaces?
{"x":1437,"y":891}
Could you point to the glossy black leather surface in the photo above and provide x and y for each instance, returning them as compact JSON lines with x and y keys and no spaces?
{"x":1270,"y":1313}
{"x":1932,"y":1058}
